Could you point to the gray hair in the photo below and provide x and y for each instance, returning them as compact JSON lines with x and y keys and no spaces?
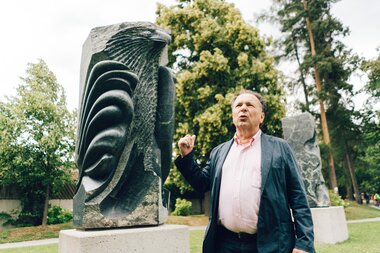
{"x":263,"y":102}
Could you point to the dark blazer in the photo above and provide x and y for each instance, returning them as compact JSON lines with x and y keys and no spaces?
{"x":282,"y":190}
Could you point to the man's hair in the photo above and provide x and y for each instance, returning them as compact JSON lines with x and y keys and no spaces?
{"x":257,"y":95}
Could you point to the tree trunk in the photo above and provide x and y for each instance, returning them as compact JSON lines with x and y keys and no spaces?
{"x":353,"y":176}
{"x":302,"y":76}
{"x":348,"y":182}
{"x":46,"y":206}
{"x":325,"y":129}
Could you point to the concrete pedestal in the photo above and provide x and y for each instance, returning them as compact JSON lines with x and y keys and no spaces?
{"x":330,"y":225}
{"x":164,"y":238}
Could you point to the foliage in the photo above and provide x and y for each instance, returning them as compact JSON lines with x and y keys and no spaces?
{"x":5,"y":216}
{"x":369,"y":157}
{"x":182,"y":207}
{"x":58,"y":215}
{"x":36,"y":140}
{"x":336,"y":200}
{"x":372,"y":67}
{"x":214,"y":54}
{"x":334,"y":60}
{"x":336,"y":64}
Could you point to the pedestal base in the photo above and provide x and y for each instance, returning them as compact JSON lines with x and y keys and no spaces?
{"x":330,"y":225}
{"x":164,"y":238}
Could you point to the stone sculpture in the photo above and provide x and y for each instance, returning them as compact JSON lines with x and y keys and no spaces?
{"x":299,"y":131}
{"x":125,"y":128}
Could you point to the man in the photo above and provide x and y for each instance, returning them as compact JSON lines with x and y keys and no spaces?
{"x":255,"y":185}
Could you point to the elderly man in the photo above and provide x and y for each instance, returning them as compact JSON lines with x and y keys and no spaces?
{"x":258,"y":202}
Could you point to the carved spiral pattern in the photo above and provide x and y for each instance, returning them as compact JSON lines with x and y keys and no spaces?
{"x":105,"y":119}
{"x":139,"y":48}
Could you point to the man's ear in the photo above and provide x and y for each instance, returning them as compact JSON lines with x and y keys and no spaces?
{"x":262,"y":117}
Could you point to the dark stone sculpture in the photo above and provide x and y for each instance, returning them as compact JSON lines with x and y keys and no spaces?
{"x":299,"y":131}
{"x":126,"y":124}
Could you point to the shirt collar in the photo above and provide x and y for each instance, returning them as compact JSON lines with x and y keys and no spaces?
{"x":256,"y":136}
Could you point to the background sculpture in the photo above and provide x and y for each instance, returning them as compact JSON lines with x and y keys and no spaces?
{"x":299,"y":131}
{"x":125,"y":130}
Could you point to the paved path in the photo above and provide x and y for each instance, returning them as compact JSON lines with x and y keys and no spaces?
{"x":28,"y":243}
{"x":55,"y":240}
{"x":364,"y":220}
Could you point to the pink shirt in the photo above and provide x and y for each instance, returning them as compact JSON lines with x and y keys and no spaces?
{"x":240,"y":188}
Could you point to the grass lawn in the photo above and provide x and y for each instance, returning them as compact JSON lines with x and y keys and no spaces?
{"x":363,"y":236}
{"x":356,"y":212}
{"x":363,"y":239}
{"x":32,"y":233}
{"x":196,"y":240}
{"x":193,"y":220}
{"x":50,"y":248}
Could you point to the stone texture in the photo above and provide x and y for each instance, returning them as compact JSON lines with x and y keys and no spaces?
{"x":330,"y":224}
{"x":299,"y":132}
{"x":125,"y":127}
{"x":165,"y":238}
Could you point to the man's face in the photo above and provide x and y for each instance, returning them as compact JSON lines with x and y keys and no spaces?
{"x":247,"y":112}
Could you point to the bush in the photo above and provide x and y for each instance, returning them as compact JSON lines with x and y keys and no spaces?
{"x":182,"y":207}
{"x":58,"y":215}
{"x":337,"y":200}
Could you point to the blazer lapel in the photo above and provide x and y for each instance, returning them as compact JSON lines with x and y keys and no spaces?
{"x":266,"y":159}
{"x":221,"y":157}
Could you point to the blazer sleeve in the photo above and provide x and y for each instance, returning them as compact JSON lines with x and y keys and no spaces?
{"x":298,"y":203}
{"x":198,"y":178}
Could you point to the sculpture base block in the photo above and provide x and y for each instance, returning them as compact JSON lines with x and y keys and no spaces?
{"x":330,"y":225}
{"x":165,"y":238}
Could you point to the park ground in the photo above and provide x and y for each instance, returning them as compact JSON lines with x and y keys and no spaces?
{"x":363,"y":235}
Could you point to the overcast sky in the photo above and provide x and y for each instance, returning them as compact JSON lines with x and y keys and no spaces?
{"x":56,"y":30}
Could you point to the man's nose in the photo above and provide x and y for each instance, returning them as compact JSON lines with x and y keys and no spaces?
{"x":244,"y":107}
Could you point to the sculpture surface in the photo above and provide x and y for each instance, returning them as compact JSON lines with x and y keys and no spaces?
{"x":125,"y":128}
{"x":299,"y":132}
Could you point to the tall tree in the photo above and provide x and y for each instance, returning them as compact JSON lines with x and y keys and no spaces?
{"x":312,"y":38}
{"x":215,"y":53}
{"x":318,"y":84}
{"x":36,"y":141}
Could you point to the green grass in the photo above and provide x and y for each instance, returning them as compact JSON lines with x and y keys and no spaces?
{"x":196,"y":240}
{"x":363,"y":239}
{"x":49,"y":248}
{"x":32,"y":233}
{"x":355,"y":212}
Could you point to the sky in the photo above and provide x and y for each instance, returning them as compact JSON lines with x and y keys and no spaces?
{"x":56,"y":30}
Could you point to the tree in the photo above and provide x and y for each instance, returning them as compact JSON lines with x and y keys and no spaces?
{"x":36,"y":141}
{"x":369,"y":157}
{"x":318,"y":84}
{"x":215,"y":53}
{"x":312,"y":38}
